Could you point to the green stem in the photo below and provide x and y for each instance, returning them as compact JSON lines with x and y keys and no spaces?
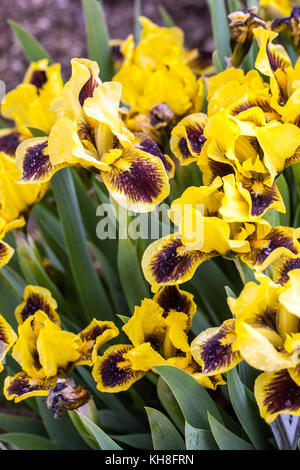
{"x":88,"y":284}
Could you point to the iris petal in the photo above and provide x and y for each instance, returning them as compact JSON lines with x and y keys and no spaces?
{"x":7,"y":338}
{"x":93,"y":337}
{"x":258,"y":306}
{"x":150,"y":146}
{"x":282,"y":266}
{"x":147,"y":324}
{"x":112,"y":372}
{"x":168,"y":262}
{"x":33,"y":160}
{"x":252,"y":111}
{"x":137,"y":180}
{"x":21,"y":386}
{"x":213,"y":349}
{"x":264,"y":250}
{"x":213,"y":163}
{"x":289,"y":298}
{"x":66,"y":149}
{"x":171,"y":298}
{"x":277,"y":393}
{"x":9,"y":141}
{"x":187,"y":138}
{"x":6,"y":252}
{"x":279,"y":143}
{"x":16,"y":199}
{"x":37,"y":298}
{"x":144,"y":357}
{"x":262,"y":197}
{"x":207,"y":381}
{"x":82,"y":84}
{"x":258,"y":350}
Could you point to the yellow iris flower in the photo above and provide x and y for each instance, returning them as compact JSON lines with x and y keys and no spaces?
{"x":28,"y":106}
{"x":6,"y":251}
{"x":158,"y":333}
{"x":90,"y":132}
{"x":29,"y":103}
{"x":7,"y":339}
{"x":44,"y":350}
{"x":265,"y":333}
{"x":156,"y":71}
{"x":277,"y":7}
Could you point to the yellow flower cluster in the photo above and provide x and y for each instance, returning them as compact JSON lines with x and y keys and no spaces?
{"x":244,"y":22}
{"x":250,"y":134}
{"x":278,"y":7}
{"x":28,"y":107}
{"x":158,"y":332}
{"x":89,"y":131}
{"x":156,"y":70}
{"x":46,"y":352}
{"x":265,"y":333}
{"x":248,"y":137}
{"x":82,"y":124}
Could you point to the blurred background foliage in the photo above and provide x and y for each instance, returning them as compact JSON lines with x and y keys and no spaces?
{"x":59,"y":26}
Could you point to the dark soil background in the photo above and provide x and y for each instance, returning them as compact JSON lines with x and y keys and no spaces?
{"x":59,"y":26}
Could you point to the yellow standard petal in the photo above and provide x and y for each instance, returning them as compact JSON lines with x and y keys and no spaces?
{"x":147,"y":325}
{"x":103,"y":107}
{"x":65,"y":148}
{"x":7,"y":339}
{"x":276,"y":7}
{"x":29,"y":103}
{"x":176,"y":338}
{"x":207,"y":199}
{"x":290,"y":297}
{"x":144,"y":357}
{"x":82,"y":84}
{"x":17,"y":103}
{"x":258,"y":351}
{"x":93,"y":337}
{"x":270,"y":56}
{"x":43,"y":349}
{"x":259,"y":307}
{"x":251,"y":112}
{"x":279,"y":143}
{"x":16,"y":199}
{"x":234,"y":206}
{"x":57,"y":349}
